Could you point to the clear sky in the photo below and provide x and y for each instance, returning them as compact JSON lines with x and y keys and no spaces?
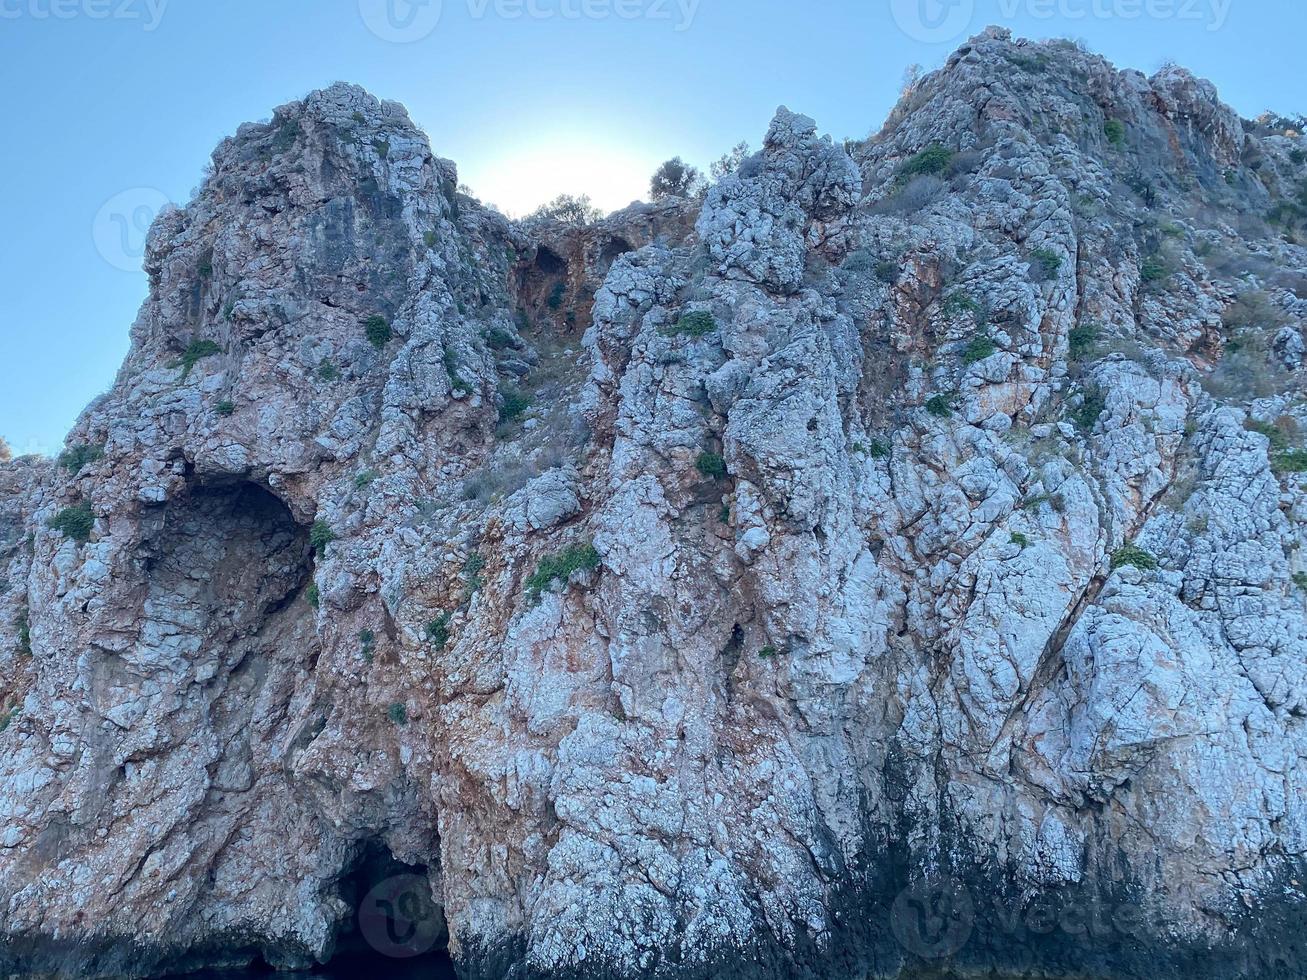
{"x":111,"y":106}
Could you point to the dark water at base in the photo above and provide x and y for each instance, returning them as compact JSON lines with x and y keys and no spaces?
{"x":349,"y":967}
{"x":440,"y":967}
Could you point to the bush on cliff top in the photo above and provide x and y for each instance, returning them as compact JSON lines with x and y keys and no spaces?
{"x":575,"y":211}
{"x":676,"y":178}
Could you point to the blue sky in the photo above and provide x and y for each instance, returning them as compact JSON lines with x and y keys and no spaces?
{"x":111,"y":106}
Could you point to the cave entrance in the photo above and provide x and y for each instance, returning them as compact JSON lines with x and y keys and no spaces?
{"x":223,"y":563}
{"x":396,"y":919}
{"x":612,"y":249}
{"x":549,"y":263}
{"x":542,"y":290}
{"x":236,"y":537}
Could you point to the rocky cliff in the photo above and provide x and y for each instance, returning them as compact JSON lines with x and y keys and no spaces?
{"x":890,"y":561}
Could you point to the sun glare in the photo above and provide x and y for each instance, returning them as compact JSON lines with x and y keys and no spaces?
{"x":520,"y":181}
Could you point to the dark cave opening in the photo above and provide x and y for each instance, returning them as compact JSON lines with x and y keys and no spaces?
{"x":395,"y":929}
{"x":549,"y":263}
{"x":394,"y":913}
{"x":224,"y":560}
{"x":543,"y":292}
{"x":614,"y":247}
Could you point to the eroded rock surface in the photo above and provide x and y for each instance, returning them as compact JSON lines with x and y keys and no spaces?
{"x":701,"y":593}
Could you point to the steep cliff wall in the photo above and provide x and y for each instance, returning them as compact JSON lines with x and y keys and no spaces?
{"x":889,"y":561}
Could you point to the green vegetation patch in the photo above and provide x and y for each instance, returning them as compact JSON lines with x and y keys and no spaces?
{"x":1092,"y":406}
{"x":1154,"y":269}
{"x":559,"y":568}
{"x":321,"y":535}
{"x":473,"y":580}
{"x":1046,"y":262}
{"x":1293,"y":461}
{"x":939,"y":406}
{"x":514,"y":404}
{"x":1277,"y":435}
{"x":711,"y":465}
{"x":438,"y":630}
{"x":1131,"y":554}
{"x":934,"y":160}
{"x":887,"y":272}
{"x":695,"y":323}
{"x":287,"y":133}
{"x":978,"y":348}
{"x":1083,"y":341}
{"x":378,"y":331}
{"x":195,"y":352}
{"x":75,"y":522}
{"x":959,"y":303}
{"x":450,"y":360}
{"x":78,"y":457}
{"x":861,"y":260}
{"x":24,"y":634}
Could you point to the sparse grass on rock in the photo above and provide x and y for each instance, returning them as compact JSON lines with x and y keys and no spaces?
{"x":560,"y":567}
{"x":1132,"y":554}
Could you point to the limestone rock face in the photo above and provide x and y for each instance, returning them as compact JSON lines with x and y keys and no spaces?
{"x":714,"y":590}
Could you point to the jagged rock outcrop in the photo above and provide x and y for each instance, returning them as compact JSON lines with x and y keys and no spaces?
{"x":892,"y":560}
